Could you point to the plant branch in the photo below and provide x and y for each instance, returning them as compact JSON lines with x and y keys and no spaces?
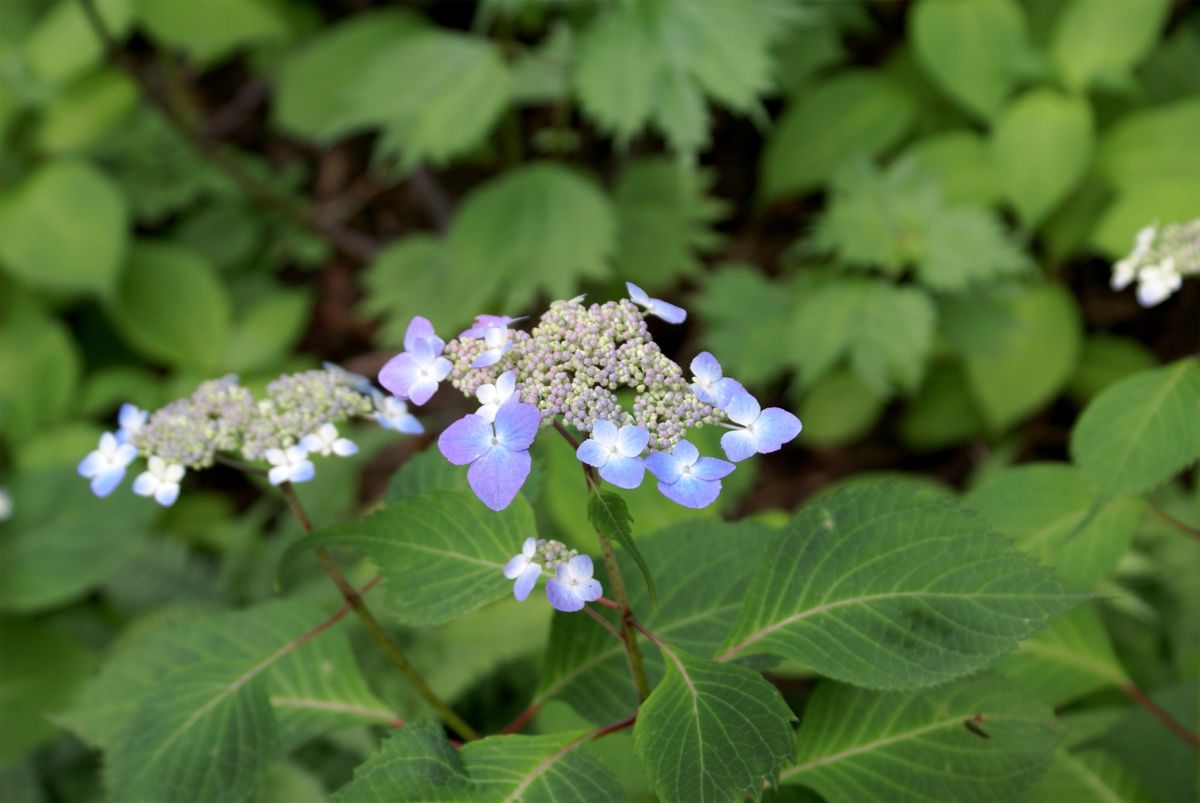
{"x":1182,"y":526}
{"x":351,"y":243}
{"x":604,"y":622}
{"x":1172,"y":724}
{"x":385,"y":641}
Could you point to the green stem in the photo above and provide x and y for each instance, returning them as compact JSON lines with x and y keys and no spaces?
{"x":389,"y":647}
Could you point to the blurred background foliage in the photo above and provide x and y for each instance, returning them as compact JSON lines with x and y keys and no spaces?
{"x":895,"y":217}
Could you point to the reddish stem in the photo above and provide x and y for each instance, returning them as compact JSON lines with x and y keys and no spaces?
{"x":1162,"y":716}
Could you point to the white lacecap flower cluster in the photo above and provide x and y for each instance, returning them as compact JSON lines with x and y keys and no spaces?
{"x":1160,"y":260}
{"x":570,"y":585}
{"x":296,"y":420}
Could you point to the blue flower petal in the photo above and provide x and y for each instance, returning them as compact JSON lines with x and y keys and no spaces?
{"x":90,"y":465}
{"x":303,"y":472}
{"x":418,"y":329}
{"x":167,"y":493}
{"x":739,"y":445}
{"x":561,"y":597}
{"x":775,"y":427}
{"x":705,"y":368}
{"x":591,"y":591}
{"x":725,"y":391}
{"x":623,"y":472}
{"x":632,"y":440}
{"x":712,"y":468}
{"x":592,"y":453}
{"x":667,"y":311}
{"x":685,"y":452}
{"x":465,"y":440}
{"x":487,"y":358}
{"x":580,"y":567}
{"x":664,"y":466}
{"x":498,"y":475}
{"x":691,"y":491}
{"x":399,"y":373}
{"x":526,"y":581}
{"x":743,"y":409}
{"x":637,"y":295}
{"x":604,"y":433}
{"x":517,"y":425}
{"x":106,"y":482}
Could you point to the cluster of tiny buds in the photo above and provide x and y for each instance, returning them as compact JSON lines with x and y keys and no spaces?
{"x":553,"y":553}
{"x":1160,"y":259}
{"x":296,"y":420}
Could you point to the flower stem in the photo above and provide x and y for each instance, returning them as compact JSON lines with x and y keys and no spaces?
{"x":1182,"y":526}
{"x":389,"y":646}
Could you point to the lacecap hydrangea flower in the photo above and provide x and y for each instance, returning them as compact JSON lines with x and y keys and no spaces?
{"x":570,"y":369}
{"x":1160,"y":260}
{"x":295,"y":420}
{"x":570,"y":585}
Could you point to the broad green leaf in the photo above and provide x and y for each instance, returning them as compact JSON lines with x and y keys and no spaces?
{"x":1151,"y":144}
{"x":172,"y":306}
{"x":1032,"y":357}
{"x":211,"y":30}
{"x":426,"y":472}
{"x":609,"y":514}
{"x":64,"y":45}
{"x":852,"y":115}
{"x":961,"y":162}
{"x":64,"y":541}
{"x":1166,"y":200}
{"x":288,"y":782}
{"x":977,"y":739}
{"x":1105,"y":360}
{"x":1165,"y":763}
{"x":1091,"y":774}
{"x":1041,"y":147}
{"x":664,"y":221}
{"x":1104,"y":39}
{"x":885,"y":588}
{"x":943,"y":412}
{"x":312,"y":94}
{"x":40,"y":364}
{"x":204,"y":716}
{"x":972,"y":50}
{"x":540,"y":228}
{"x":87,"y":111}
{"x":586,"y":667}
{"x":712,"y":731}
{"x":1141,"y":431}
{"x":267,"y":330}
{"x":41,"y":669}
{"x":441,"y":554}
{"x":745,"y":312}
{"x":1072,"y":657}
{"x":414,"y":763}
{"x":64,"y":228}
{"x":838,"y":409}
{"x":455,"y":87}
{"x":884,"y":332}
{"x":417,"y":275}
{"x":1053,"y":513}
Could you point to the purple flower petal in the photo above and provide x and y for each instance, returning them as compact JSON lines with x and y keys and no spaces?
{"x":498,"y":475}
{"x":623,"y":472}
{"x":632,"y":440}
{"x":592,"y":453}
{"x":705,"y":368}
{"x":725,"y":391}
{"x":685,"y":452}
{"x":526,"y":581}
{"x":580,"y":567}
{"x":591,"y":591}
{"x":637,"y":295}
{"x":712,"y":468}
{"x":739,"y":444}
{"x":664,"y":466}
{"x":604,"y":433}
{"x":441,"y":368}
{"x":775,"y":427}
{"x":516,"y":564}
{"x":466,"y":440}
{"x":487,"y":358}
{"x":517,"y":425}
{"x":691,"y":491}
{"x":667,"y":311}
{"x":561,"y":597}
{"x":422,"y":390}
{"x":743,"y":409}
{"x":506,"y":384}
{"x":399,"y":373}
{"x":418,"y":329}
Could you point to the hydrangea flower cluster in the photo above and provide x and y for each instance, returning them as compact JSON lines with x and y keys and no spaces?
{"x":296,"y":419}
{"x":571,"y":366}
{"x":570,"y":586}
{"x":1159,"y":261}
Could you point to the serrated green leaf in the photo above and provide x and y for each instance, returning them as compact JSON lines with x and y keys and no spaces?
{"x":977,"y":739}
{"x":64,"y":228}
{"x":1072,"y":657}
{"x":1140,"y":431}
{"x":455,"y":87}
{"x":424,"y":473}
{"x":1151,"y":144}
{"x":972,"y":50}
{"x":211,"y":30}
{"x":888,"y":589}
{"x":540,"y":228}
{"x":1033,"y":350}
{"x":852,"y":115}
{"x":712,"y":731}
{"x":1041,"y":147}
{"x":609,"y":514}
{"x":884,"y":332}
{"x":1089,"y":775}
{"x":413,"y":763}
{"x":311,"y":97}
{"x":211,"y":714}
{"x":961,"y":163}
{"x":172,"y":306}
{"x":1050,"y":511}
{"x":664,"y":221}
{"x":586,"y":667}
{"x":745,"y":312}
{"x":441,"y":554}
{"x":1104,"y":39}
{"x":63,"y":45}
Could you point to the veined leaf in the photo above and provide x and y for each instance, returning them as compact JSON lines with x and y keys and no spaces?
{"x":1089,"y":775}
{"x":1149,"y":144}
{"x":977,"y":739}
{"x":208,"y":31}
{"x":884,"y":588}
{"x":586,"y":667}
{"x":1070,"y":658}
{"x":609,"y":514}
{"x":442,"y":554}
{"x":1104,"y":39}
{"x":1052,"y":513}
{"x":712,"y":731}
{"x":1142,"y":430}
{"x":413,"y":763}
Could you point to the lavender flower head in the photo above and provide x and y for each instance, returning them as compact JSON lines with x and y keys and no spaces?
{"x":570,"y":585}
